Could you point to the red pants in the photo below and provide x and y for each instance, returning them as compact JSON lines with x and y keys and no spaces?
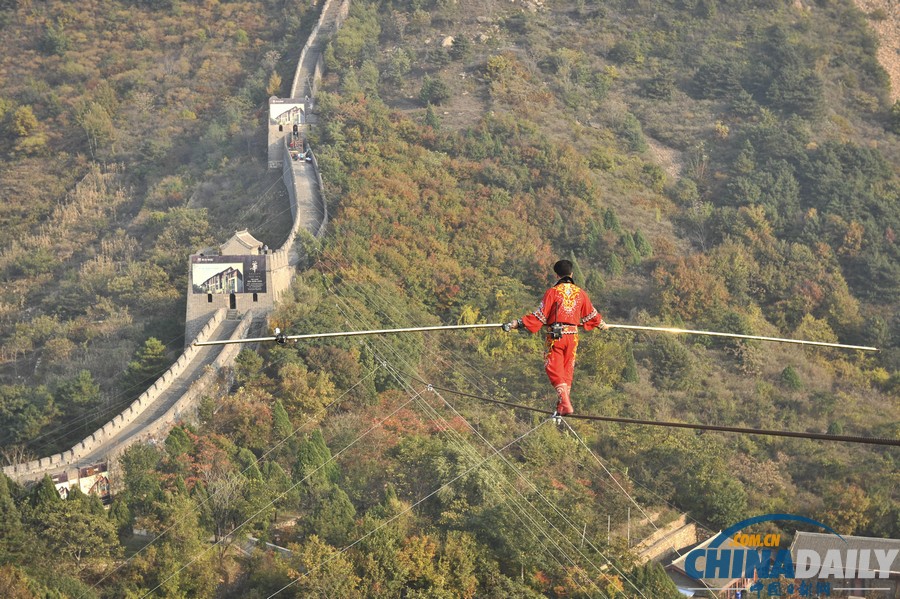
{"x":559,"y":359}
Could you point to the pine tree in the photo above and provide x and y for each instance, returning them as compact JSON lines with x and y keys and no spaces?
{"x":149,"y":364}
{"x":45,"y":493}
{"x":630,"y":374}
{"x":431,"y":118}
{"x":12,"y":537}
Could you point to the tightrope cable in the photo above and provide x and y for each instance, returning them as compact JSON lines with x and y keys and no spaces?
{"x":702,"y":427}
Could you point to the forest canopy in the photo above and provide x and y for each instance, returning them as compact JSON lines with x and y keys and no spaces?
{"x":714,"y":164}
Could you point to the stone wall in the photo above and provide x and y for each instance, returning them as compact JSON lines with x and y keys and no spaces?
{"x":37,"y":468}
{"x":186,"y":406}
{"x":324,"y":205}
{"x":203,"y":317}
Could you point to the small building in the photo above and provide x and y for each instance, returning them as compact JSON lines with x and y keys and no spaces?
{"x":240,"y":244}
{"x":730,"y":588}
{"x":243,"y":274}
{"x":856,"y":556}
{"x":286,"y":118}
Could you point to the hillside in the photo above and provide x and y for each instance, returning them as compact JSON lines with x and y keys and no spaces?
{"x":885,"y":17}
{"x":716,"y":164}
{"x":131,"y":138}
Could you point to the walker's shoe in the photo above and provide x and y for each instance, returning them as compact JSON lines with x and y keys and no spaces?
{"x":563,"y":406}
{"x":563,"y":409}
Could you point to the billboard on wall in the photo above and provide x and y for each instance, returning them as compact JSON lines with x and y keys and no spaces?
{"x":286,"y":111}
{"x":228,"y":274}
{"x":94,"y":480}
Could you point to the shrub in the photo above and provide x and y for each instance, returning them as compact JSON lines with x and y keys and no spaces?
{"x":790,"y":379}
{"x":434,"y":91}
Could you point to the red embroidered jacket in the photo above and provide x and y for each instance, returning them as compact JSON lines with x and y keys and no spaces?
{"x":566,"y":303}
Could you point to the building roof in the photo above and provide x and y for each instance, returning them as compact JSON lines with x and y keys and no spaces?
{"x":821,"y":542}
{"x":682,"y":578}
{"x":241,"y":244}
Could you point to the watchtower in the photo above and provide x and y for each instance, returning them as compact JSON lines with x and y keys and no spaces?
{"x":243,"y":274}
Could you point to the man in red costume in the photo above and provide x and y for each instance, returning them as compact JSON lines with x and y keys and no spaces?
{"x":565,"y":307}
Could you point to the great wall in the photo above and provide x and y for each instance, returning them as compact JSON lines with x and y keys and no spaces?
{"x":226,"y":314}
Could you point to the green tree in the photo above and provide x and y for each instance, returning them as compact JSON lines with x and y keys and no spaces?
{"x":141,"y":477}
{"x":672,"y":363}
{"x":149,"y":363}
{"x":332,"y":572}
{"x":461,"y":47}
{"x":434,"y":91}
{"x":97,"y":124}
{"x":661,"y":86}
{"x":791,"y":379}
{"x":247,"y":366}
{"x":55,"y":40}
{"x":653,"y":581}
{"x":398,"y":67}
{"x":178,"y":442}
{"x":12,"y":531}
{"x":178,"y":563}
{"x":78,"y":395}
{"x":281,"y":422}
{"x":630,"y":374}
{"x":44,"y":493}
{"x":642,"y":245}
{"x":431,"y":118}
{"x":24,"y":411}
{"x":894,"y":118}
{"x":73,"y":533}
{"x":611,"y":221}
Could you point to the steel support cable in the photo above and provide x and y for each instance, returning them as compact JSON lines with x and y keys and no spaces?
{"x":650,"y":520}
{"x":488,"y":443}
{"x":393,"y":371}
{"x":662,"y":423}
{"x":530,"y":484}
{"x":624,"y":491}
{"x":465,"y":446}
{"x":281,"y":496}
{"x":411,"y":507}
{"x":517,"y":503}
{"x":520,"y":512}
{"x":90,"y":414}
{"x":551,"y":505}
{"x":346,"y":308}
{"x":450,"y":430}
{"x":519,"y":474}
{"x":320,"y":412}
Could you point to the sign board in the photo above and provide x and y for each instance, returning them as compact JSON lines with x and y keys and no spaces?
{"x":228,"y":274}
{"x":287,"y":111}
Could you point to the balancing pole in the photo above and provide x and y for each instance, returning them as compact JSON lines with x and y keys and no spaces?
{"x":353,"y":333}
{"x":283,"y":338}
{"x":737,"y":336}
